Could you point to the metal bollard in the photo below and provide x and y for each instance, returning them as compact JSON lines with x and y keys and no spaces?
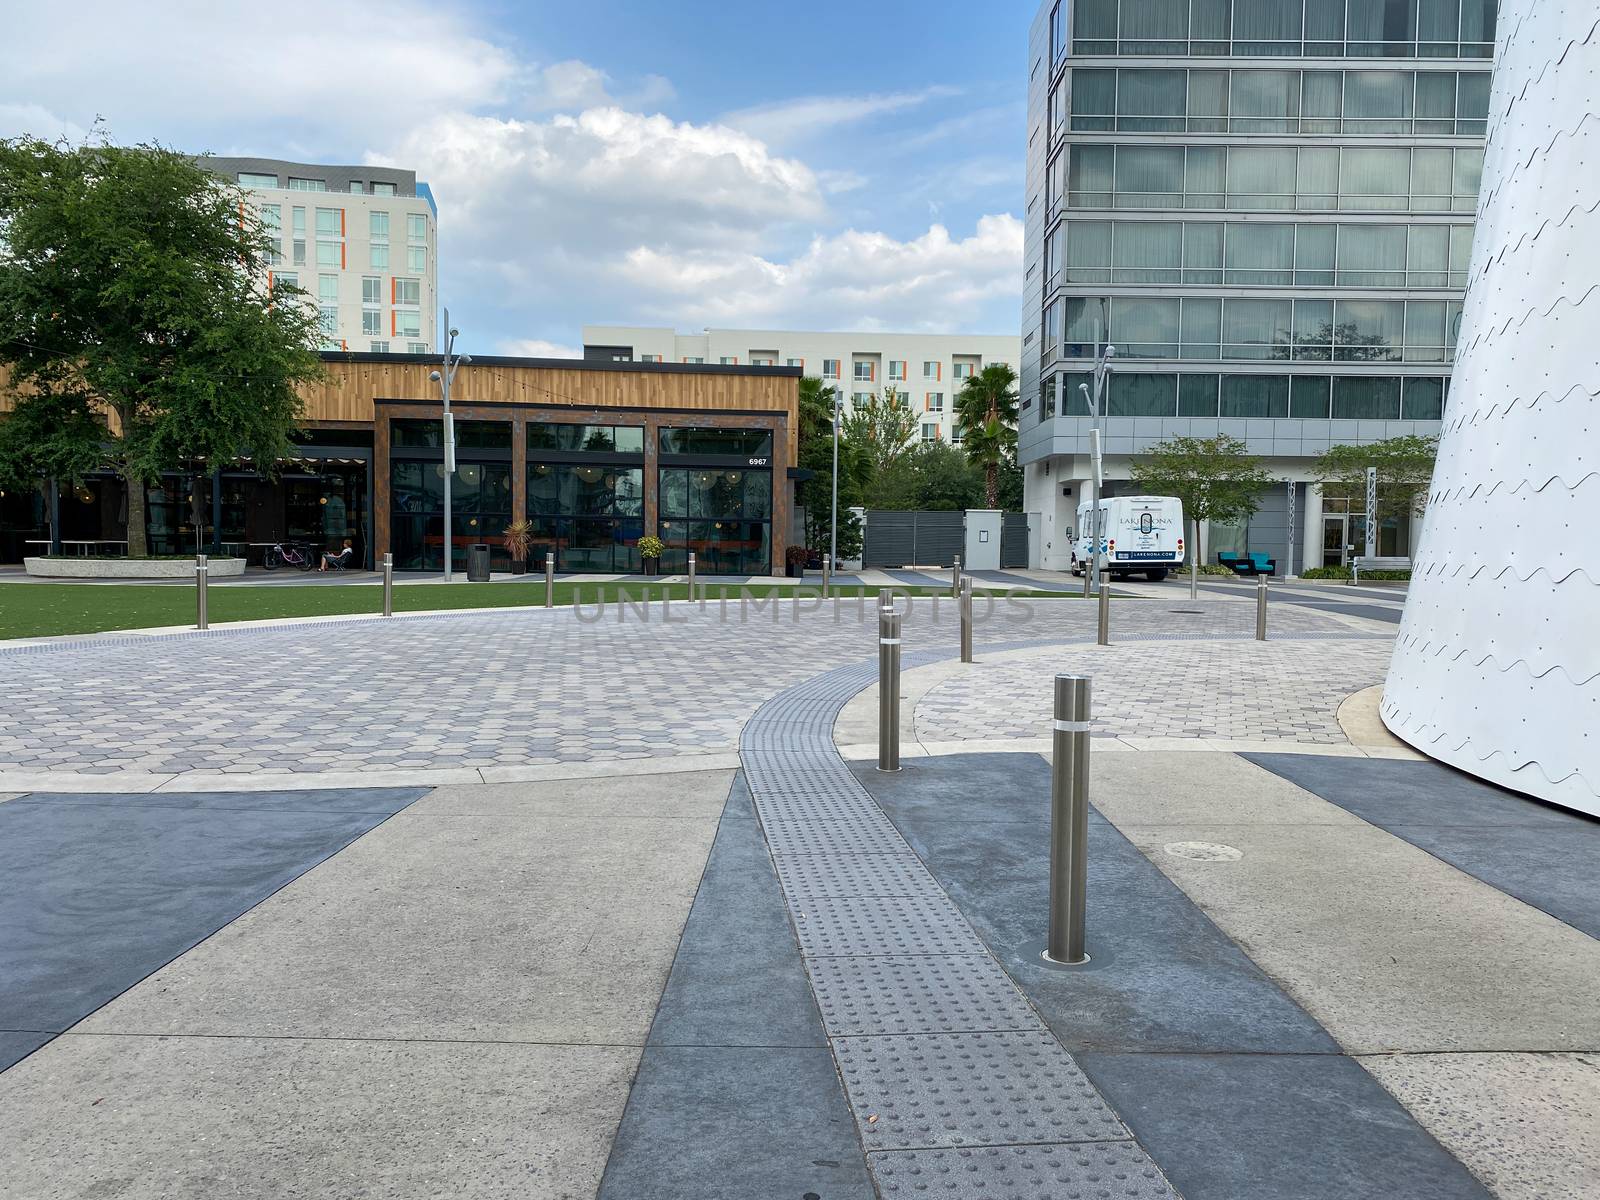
{"x":1104,"y":637}
{"x":955,"y":579}
{"x":549,"y":579}
{"x":888,"y":690}
{"x":1261,"y":608}
{"x":885,"y":598}
{"x":827,"y":576}
{"x":966,"y":620}
{"x":691,"y":575}
{"x":388,"y":585}
{"x":1069,"y":820}
{"x":202,"y":577}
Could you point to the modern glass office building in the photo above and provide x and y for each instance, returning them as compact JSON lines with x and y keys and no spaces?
{"x":1266,"y":206}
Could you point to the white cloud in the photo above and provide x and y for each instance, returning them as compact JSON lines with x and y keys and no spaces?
{"x":573,"y":86}
{"x":538,"y":348}
{"x":808,"y":116}
{"x":855,"y":279}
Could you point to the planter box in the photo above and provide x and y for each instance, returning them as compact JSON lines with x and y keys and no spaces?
{"x":129,"y":568}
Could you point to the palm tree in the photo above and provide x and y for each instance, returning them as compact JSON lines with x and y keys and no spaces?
{"x":986,"y":406}
{"x":816,"y":409}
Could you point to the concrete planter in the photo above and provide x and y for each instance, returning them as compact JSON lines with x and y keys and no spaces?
{"x":129,"y":568}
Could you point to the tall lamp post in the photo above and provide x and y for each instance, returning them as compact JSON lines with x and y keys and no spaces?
{"x":833,"y":519}
{"x":1096,"y":402}
{"x":444,"y":379}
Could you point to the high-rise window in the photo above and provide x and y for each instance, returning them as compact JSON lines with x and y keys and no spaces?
{"x":932,"y":369}
{"x":408,"y":291}
{"x":866,"y":372}
{"x":380,"y":347}
{"x":830,"y":368}
{"x":272,"y":226}
{"x":371,"y":289}
{"x":378,"y":226}
{"x":383,"y":189}
{"x":371,"y":321}
{"x":728,"y":361}
{"x":307,"y":185}
{"x":416,"y":227}
{"x":416,"y":347}
{"x":795,"y":362}
{"x":298,"y":227}
{"x":930,"y":431}
{"x":407,"y":322}
{"x":251,"y":179}
{"x":355,"y":186}
{"x":933,"y":402}
{"x":897,"y":370}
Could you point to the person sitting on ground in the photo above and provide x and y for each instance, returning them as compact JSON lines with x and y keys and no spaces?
{"x":331,"y":560}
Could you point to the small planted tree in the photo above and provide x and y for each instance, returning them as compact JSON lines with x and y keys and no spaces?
{"x":1405,"y":472}
{"x":816,"y":455}
{"x":1215,"y":478}
{"x":986,"y":406}
{"x":883,"y":427}
{"x":134,"y":320}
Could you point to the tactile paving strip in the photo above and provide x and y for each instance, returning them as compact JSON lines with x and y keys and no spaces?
{"x":970,"y":1089}
{"x":817,"y":807}
{"x":1086,"y":1171}
{"x":850,"y":835}
{"x":894,"y":925}
{"x":929,"y":993}
{"x":806,"y":877}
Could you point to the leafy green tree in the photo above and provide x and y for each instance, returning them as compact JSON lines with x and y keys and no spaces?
{"x":883,"y":427}
{"x":134,"y":321}
{"x":986,"y":406}
{"x":816,"y":455}
{"x":1215,"y":478}
{"x":929,"y":477}
{"x":1405,"y":472}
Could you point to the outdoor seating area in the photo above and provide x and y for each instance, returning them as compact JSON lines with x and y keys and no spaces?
{"x":1249,"y":564}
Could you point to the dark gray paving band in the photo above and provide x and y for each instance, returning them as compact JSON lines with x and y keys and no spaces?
{"x":1544,"y":856}
{"x":1235,"y":1090}
{"x":956,"y":1085}
{"x":101,"y":890}
{"x":736,"y":1094}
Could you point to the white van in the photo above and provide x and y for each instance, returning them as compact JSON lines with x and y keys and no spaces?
{"x":1142,"y":534}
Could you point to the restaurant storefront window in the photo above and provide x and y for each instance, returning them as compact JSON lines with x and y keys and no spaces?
{"x":716,"y":500}
{"x":586,"y":495}
{"x":480,"y":495}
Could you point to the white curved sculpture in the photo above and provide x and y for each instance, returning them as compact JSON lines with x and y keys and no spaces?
{"x":1497,"y":667}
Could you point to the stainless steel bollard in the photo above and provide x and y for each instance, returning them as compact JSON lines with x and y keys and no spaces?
{"x":202,"y":576}
{"x":966,"y":620}
{"x":549,"y":579}
{"x":388,"y":585}
{"x":691,"y":575}
{"x":955,"y":579}
{"x":827,"y":576}
{"x":1261,"y":608}
{"x":888,"y":690}
{"x":1069,"y":820}
{"x":1104,"y":637}
{"x":885,"y":598}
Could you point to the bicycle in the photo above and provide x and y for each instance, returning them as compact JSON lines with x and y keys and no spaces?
{"x":290,"y":555}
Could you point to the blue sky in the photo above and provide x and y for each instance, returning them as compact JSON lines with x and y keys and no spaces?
{"x":841,"y":165}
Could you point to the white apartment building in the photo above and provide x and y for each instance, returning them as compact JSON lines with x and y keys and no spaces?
{"x":927,"y":369}
{"x":361,"y":242}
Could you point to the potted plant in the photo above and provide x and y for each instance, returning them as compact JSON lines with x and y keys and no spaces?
{"x":518,"y":538}
{"x":795,"y":559}
{"x":650,"y":549}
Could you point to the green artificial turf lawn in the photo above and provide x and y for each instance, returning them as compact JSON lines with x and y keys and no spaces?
{"x":53,"y":609}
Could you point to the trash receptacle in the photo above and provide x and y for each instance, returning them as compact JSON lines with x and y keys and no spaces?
{"x":478,"y":562}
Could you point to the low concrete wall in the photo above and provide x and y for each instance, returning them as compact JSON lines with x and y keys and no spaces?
{"x":129,"y":568}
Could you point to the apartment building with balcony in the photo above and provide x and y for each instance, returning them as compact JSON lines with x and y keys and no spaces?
{"x":1266,"y":206}
{"x":361,"y":242}
{"x":927,"y":370}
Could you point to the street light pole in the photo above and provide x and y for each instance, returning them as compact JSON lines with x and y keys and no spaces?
{"x":444,"y":379}
{"x":1096,"y":401}
{"x":833,"y":519}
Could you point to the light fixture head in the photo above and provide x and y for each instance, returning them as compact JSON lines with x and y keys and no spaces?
{"x":433,"y":375}
{"x":455,"y":332}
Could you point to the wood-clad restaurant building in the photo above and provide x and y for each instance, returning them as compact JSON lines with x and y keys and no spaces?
{"x":594,"y":454}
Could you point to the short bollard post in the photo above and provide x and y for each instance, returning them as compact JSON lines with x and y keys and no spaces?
{"x":549,"y":579}
{"x":1261,"y":608}
{"x":202,"y":576}
{"x":388,"y":585}
{"x":955,"y":580}
{"x":966,"y":620}
{"x":691,"y":575}
{"x":888,"y":690}
{"x":1104,"y":636}
{"x":827,"y":576}
{"x":1069,"y":820}
{"x":885,"y":598}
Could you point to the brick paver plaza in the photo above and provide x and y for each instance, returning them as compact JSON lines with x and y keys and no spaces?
{"x":521,"y":688}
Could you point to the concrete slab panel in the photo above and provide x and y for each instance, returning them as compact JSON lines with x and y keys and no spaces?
{"x":1162,"y":976}
{"x":146,"y":1118}
{"x":737,"y":978}
{"x":654,"y":795}
{"x":102,"y":891}
{"x":494,"y":925}
{"x":1389,"y":948}
{"x":1542,"y":855}
{"x":14,"y":1047}
{"x":4,"y":796}
{"x":1265,"y":1127}
{"x":1528,"y":1125}
{"x":720,"y":1123}
{"x":381,"y":802}
{"x":1139,"y":789}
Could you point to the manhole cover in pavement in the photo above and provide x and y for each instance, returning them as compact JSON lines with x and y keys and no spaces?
{"x":1203,"y":851}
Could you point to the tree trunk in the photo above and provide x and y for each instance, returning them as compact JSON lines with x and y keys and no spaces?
{"x":138,"y":539}
{"x":991,"y":484}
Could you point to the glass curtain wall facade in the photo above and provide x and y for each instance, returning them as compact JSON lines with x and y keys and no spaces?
{"x":716,"y":499}
{"x":480,"y":495}
{"x":1265,"y":205}
{"x":586,"y":495}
